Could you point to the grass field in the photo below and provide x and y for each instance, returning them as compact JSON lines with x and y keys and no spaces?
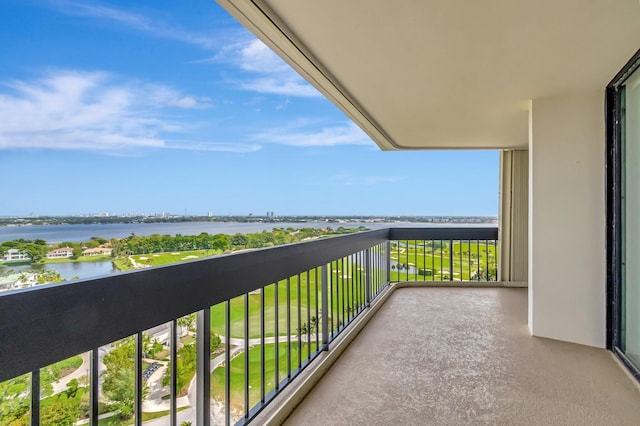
{"x":431,"y":260}
{"x":115,"y":421}
{"x":307,"y":308}
{"x":237,"y":372}
{"x":347,"y":294}
{"x":157,"y":259}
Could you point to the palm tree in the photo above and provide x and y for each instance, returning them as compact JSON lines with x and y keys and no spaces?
{"x":186,"y":323}
{"x":313,"y":325}
{"x":302,"y":333}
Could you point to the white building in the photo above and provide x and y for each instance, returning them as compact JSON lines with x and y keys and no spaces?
{"x":15,"y":255}
{"x":60,"y":252}
{"x":97,"y":251}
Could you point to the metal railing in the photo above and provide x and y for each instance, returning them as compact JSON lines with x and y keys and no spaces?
{"x":444,"y":255}
{"x":261,"y":318}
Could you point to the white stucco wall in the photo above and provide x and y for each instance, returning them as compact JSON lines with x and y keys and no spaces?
{"x":567,"y":253}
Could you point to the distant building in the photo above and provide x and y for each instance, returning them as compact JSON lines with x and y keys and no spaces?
{"x":60,"y":252}
{"x":15,"y":255}
{"x":98,"y":251}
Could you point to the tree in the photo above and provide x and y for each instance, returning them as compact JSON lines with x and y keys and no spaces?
{"x":302,"y":333}
{"x":186,"y":323}
{"x":35,"y":251}
{"x":49,"y":276}
{"x":72,"y":388}
{"x":119,"y":378}
{"x":186,"y":369}
{"x":214,"y":342}
{"x":61,"y":411}
{"x":239,"y":240}
{"x":14,"y":401}
{"x":313,"y":324}
{"x":221,"y":242}
{"x":77,"y":252}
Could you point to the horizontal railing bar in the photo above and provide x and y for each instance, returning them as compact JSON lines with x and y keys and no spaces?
{"x":473,"y":233}
{"x":75,"y":317}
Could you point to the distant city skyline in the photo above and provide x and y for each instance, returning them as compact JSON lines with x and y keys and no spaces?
{"x":167,"y":106}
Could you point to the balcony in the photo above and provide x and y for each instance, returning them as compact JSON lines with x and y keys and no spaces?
{"x":464,"y":356}
{"x":455,"y":354}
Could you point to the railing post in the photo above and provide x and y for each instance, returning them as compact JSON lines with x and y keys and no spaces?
{"x":246,"y":356}
{"x":173,"y":391}
{"x":325,"y":307}
{"x":367,"y":276}
{"x":138,"y":379}
{"x":388,"y":248}
{"x":94,"y":385}
{"x":35,"y":397}
{"x":227,"y":359}
{"x":203,"y":369}
{"x":450,"y":260}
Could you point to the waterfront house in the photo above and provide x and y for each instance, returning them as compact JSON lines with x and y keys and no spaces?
{"x":15,"y":255}
{"x":97,"y":251}
{"x":60,"y":253}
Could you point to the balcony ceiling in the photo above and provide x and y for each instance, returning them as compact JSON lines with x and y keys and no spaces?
{"x":446,"y":73}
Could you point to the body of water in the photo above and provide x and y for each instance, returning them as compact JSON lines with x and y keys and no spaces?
{"x":79,"y":233}
{"x":79,"y":270}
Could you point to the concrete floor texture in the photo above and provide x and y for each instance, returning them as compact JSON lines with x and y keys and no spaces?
{"x":459,"y":356}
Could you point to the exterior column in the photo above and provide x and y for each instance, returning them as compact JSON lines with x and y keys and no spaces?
{"x":567,"y":245}
{"x":514,"y":218}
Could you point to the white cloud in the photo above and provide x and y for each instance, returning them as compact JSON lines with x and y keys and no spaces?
{"x":255,"y":56}
{"x":163,"y":96}
{"x":265,"y":72}
{"x":297,"y":135}
{"x":94,"y":111}
{"x":213,"y":146}
{"x":138,"y":22}
{"x":279,"y":86}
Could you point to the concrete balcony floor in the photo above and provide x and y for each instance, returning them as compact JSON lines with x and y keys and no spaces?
{"x":452,"y":356}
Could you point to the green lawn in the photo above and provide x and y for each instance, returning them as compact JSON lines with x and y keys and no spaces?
{"x":307,"y":306}
{"x":101,"y":258}
{"x":69,"y":365}
{"x":157,"y":259}
{"x":470,"y":258}
{"x":237,"y":373}
{"x":346,"y":294}
{"x":114,"y":421}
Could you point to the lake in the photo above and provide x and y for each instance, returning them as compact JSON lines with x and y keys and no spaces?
{"x":67,"y":270}
{"x":79,"y":233}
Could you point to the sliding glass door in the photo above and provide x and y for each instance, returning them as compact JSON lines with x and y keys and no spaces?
{"x":630,"y":203}
{"x":623,"y":215}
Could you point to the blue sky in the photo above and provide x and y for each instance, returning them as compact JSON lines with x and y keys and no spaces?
{"x":164,"y":105}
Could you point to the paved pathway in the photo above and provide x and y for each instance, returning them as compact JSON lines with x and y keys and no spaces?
{"x":83,"y":370}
